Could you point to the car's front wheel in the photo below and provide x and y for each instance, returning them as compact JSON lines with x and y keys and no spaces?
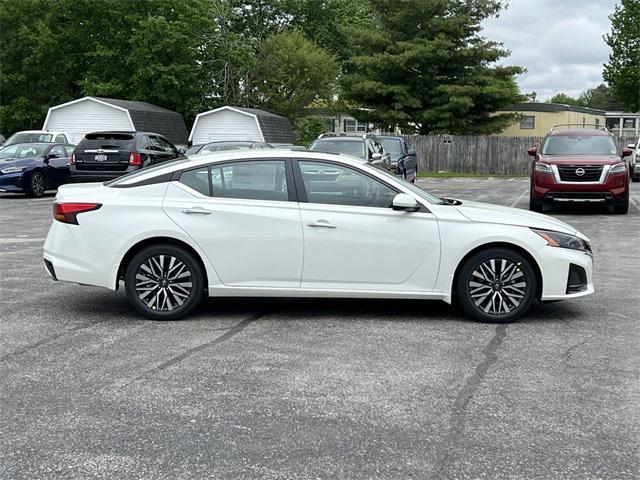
{"x":496,"y":285}
{"x":164,"y":282}
{"x":37,"y":185}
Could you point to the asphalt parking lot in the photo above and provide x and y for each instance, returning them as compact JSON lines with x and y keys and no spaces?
{"x":281,"y":388}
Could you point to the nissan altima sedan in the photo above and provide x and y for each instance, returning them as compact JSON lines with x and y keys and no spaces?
{"x":266,"y":223}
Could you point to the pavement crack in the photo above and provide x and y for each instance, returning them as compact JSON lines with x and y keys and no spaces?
{"x":45,"y":341}
{"x":234,"y":330}
{"x":466,"y":393}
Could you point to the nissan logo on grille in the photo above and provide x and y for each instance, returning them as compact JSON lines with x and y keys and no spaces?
{"x":580,"y":172}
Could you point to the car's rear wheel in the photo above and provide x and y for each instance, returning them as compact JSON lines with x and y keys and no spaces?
{"x":496,"y":285}
{"x":37,"y":185}
{"x":164,"y":282}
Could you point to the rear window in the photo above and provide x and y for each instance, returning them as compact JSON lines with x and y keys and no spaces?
{"x":349,"y":147}
{"x":120,"y":141}
{"x":579,"y":145}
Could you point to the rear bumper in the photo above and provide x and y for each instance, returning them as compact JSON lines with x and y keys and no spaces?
{"x":82,"y":176}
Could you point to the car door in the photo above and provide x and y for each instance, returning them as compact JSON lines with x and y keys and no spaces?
{"x":353,"y":239}
{"x":245,"y":217}
{"x":57,"y":161}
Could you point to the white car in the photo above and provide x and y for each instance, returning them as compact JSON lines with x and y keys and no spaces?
{"x":37,"y":136}
{"x":634,"y":162}
{"x":270,"y":223}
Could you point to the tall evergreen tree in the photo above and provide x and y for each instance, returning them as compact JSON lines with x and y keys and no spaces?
{"x":425,"y":66}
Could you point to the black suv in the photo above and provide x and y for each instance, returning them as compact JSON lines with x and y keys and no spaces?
{"x":102,"y":156}
{"x":404,"y":162}
{"x":366,"y":147}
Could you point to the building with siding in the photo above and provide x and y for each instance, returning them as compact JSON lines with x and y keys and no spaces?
{"x":94,"y":114}
{"x":624,"y":125}
{"x":238,"y":123}
{"x":536,"y":119}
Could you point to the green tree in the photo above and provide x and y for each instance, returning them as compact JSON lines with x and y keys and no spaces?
{"x":565,"y":99}
{"x":622,"y":72}
{"x":307,"y":129}
{"x":291,"y":72}
{"x":426,"y":67}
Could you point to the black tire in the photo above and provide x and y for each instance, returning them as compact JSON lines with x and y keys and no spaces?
{"x":535,"y":204}
{"x":621,"y":209}
{"x":37,"y":185}
{"x":152,"y":268}
{"x":505,"y":301}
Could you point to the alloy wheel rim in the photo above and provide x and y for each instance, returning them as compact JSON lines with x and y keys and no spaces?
{"x":498,"y":286}
{"x":37,"y":184}
{"x":163,"y":283}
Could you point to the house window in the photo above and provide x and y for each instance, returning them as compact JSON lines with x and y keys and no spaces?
{"x":613,"y":123}
{"x":362,"y":127}
{"x":350,"y":125}
{"x":528,"y":122}
{"x":597,"y":122}
{"x":629,"y":123}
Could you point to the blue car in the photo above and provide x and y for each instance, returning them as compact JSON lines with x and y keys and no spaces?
{"x":34,"y":168}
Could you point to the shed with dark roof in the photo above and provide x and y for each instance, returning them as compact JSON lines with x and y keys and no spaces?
{"x":94,"y":114}
{"x":239,"y":123}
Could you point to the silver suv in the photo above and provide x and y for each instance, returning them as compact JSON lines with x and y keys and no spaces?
{"x":366,"y":147}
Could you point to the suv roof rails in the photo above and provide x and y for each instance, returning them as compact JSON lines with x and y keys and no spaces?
{"x":344,"y":134}
{"x":595,"y":126}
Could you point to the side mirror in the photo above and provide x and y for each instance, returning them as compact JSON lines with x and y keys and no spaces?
{"x":51,"y":155}
{"x":626,"y":152}
{"x":405,"y":203}
{"x":411,"y":153}
{"x":533,"y":151}
{"x":631,"y":146}
{"x":376,"y":156}
{"x":182,"y":151}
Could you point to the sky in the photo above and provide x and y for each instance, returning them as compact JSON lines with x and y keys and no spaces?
{"x":559,"y":42}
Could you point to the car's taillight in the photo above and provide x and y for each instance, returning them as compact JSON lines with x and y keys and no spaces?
{"x":135,"y":159}
{"x":73,"y":159}
{"x":68,"y":212}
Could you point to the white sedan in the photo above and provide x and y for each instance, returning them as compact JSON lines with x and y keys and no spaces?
{"x":306,"y":224}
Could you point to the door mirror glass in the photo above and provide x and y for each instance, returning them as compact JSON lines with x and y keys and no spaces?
{"x":405,"y":202}
{"x":626,"y":152}
{"x":533,"y":151}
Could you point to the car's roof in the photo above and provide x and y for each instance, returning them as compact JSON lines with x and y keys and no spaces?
{"x":52,"y":132}
{"x":396,"y":137}
{"x":341,"y":138}
{"x":584,"y":132}
{"x":228,"y":155}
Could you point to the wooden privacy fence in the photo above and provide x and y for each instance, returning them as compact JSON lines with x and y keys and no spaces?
{"x":484,"y":155}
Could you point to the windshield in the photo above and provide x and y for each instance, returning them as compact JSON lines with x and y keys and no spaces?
{"x":579,"y":145}
{"x":218,"y":147}
{"x":409,"y":186}
{"x":349,"y":147}
{"x":23,"y":150}
{"x":144,"y":171}
{"x":391,"y":145}
{"x":29,"y":138}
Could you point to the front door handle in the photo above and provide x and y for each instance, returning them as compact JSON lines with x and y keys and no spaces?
{"x":196,"y":211}
{"x":321,"y":224}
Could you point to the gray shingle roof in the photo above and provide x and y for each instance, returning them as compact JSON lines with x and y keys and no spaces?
{"x":275,"y":129}
{"x":152,"y":118}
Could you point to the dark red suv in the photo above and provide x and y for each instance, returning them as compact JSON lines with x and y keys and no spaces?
{"x":579,"y":165}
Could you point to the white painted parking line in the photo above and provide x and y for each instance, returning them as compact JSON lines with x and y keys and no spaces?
{"x":20,"y":240}
{"x":635,"y":202}
{"x":517,"y":200}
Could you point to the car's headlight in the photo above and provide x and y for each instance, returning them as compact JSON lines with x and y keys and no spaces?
{"x":618,"y":168}
{"x":543,"y":168}
{"x":13,"y":169}
{"x":564,"y":240}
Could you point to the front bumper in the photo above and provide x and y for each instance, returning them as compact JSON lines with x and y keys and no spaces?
{"x":566,"y":274}
{"x":612,"y":190}
{"x":12,"y":182}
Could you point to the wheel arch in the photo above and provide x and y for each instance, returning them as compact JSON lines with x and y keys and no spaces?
{"x":137,"y":247}
{"x":507,"y":246}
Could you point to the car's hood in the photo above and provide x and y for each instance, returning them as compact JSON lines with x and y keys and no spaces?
{"x":16,"y":162}
{"x":488,"y":213}
{"x":580,"y":159}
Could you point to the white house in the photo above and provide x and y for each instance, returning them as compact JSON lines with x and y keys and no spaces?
{"x":238,"y":123}
{"x":95,"y":114}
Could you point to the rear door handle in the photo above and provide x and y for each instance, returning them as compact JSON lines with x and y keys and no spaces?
{"x":321,"y":224}
{"x":196,"y":211}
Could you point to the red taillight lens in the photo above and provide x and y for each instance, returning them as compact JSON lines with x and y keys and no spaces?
{"x":73,"y":159}
{"x":135,"y":159}
{"x":68,"y":212}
